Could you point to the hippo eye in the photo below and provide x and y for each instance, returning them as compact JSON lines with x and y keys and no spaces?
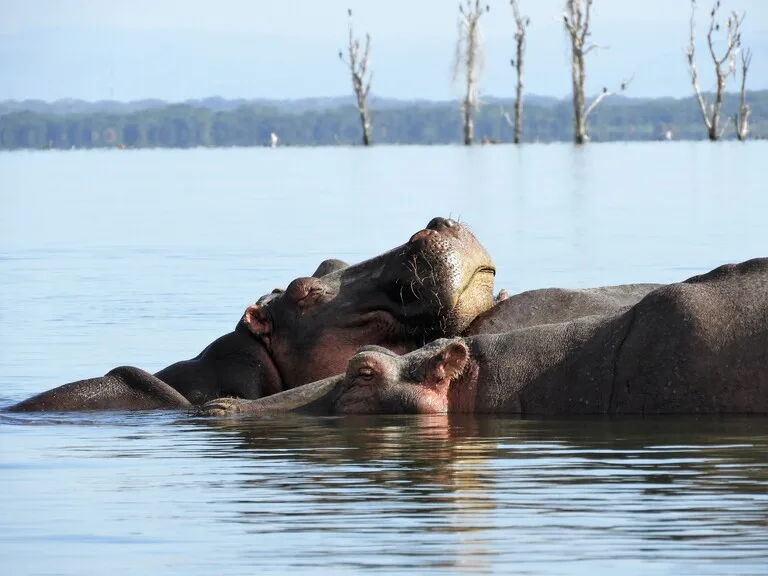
{"x":365,"y":372}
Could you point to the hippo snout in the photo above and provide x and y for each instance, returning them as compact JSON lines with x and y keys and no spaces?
{"x":435,"y":227}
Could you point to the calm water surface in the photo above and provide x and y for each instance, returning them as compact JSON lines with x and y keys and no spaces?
{"x":143,"y":258}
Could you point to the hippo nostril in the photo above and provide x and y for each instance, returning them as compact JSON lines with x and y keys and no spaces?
{"x":437,"y":223}
{"x":421,"y":235}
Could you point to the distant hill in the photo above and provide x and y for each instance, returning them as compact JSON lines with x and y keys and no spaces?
{"x":216,"y":104}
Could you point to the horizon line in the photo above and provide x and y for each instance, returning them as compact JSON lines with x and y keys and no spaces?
{"x":373,"y":97}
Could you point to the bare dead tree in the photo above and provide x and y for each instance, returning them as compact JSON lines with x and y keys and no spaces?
{"x":358,"y":69}
{"x":741,"y":119}
{"x":576,"y":19}
{"x":521,"y":22}
{"x":469,"y":59}
{"x":725,"y":65}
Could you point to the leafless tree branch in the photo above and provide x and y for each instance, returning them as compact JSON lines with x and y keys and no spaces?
{"x":521,"y":23}
{"x":468,"y":59}
{"x":591,"y":47}
{"x":585,"y":27}
{"x":741,"y":119}
{"x":576,"y":19}
{"x":358,"y":69}
{"x":691,"y":53}
{"x":725,"y":66}
{"x":604,"y":94}
{"x":507,"y":117}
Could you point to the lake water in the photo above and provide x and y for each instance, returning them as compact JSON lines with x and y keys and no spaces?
{"x":144,"y":257}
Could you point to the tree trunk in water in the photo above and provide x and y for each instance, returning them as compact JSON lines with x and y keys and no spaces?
{"x":366,"y":128}
{"x":469,"y":126}
{"x":469,"y":100}
{"x":519,"y":100}
{"x":714,"y":127}
{"x":579,"y":130}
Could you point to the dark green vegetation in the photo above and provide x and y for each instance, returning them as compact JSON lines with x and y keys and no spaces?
{"x":319,"y":122}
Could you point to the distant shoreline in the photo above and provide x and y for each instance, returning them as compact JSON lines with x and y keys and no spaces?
{"x":222,"y":123}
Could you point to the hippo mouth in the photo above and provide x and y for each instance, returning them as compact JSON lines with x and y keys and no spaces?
{"x":271,"y":378}
{"x":433,"y":311}
{"x":481,"y":274}
{"x":482,"y":277}
{"x":474,"y":297}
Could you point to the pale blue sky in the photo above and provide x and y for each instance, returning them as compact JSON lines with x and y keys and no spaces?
{"x":175,"y":50}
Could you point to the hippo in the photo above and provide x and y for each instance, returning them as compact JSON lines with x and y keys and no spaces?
{"x":695,"y":347}
{"x":431,"y":287}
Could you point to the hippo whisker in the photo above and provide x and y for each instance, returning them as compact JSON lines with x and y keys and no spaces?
{"x":431,"y":267}
{"x":415,"y":269}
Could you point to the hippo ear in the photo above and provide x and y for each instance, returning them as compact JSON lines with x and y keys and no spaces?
{"x":448,"y":363}
{"x":257,"y":320}
{"x":329,"y":266}
{"x":306,"y":292}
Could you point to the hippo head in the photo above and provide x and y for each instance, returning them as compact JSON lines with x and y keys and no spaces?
{"x":433,"y":286}
{"x":380,"y":382}
{"x":435,"y":379}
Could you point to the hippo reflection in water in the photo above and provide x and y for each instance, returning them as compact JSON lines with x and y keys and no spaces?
{"x":432,"y":286}
{"x":698,"y":346}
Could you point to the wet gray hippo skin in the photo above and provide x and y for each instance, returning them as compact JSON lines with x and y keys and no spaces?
{"x":430,"y":287}
{"x":698,"y":346}
{"x":555,"y":305}
{"x":121,"y":386}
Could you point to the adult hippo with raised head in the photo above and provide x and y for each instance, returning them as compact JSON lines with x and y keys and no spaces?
{"x":431,"y":287}
{"x":698,"y":346}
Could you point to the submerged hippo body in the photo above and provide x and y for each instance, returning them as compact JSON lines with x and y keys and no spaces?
{"x":432,"y":286}
{"x":699,"y":346}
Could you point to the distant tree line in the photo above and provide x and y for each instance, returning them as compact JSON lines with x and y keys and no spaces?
{"x":186,"y":126}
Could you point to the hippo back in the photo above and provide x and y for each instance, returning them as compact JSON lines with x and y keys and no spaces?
{"x":555,"y":305}
{"x":698,"y":346}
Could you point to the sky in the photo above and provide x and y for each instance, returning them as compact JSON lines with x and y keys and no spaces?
{"x":177,"y":50}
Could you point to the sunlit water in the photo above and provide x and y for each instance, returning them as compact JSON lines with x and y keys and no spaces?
{"x":142,"y":258}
